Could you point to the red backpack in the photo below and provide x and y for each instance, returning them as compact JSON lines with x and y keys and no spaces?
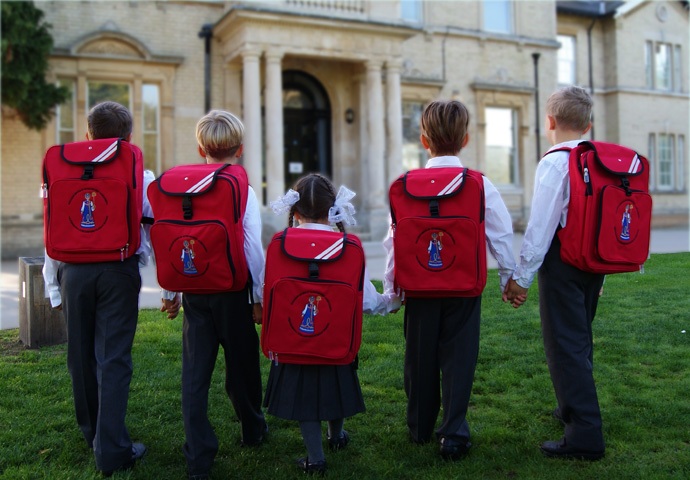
{"x":197,"y":234}
{"x":610,"y":210}
{"x":313,"y":297}
{"x":439,"y":237}
{"x":93,"y":193}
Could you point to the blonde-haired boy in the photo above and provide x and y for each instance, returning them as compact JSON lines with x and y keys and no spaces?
{"x":223,"y":319}
{"x":568,"y":297}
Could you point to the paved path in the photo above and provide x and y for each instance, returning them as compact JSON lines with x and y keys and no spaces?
{"x":667,"y":240}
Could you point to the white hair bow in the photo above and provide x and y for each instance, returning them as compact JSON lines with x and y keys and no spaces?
{"x":342,"y":210}
{"x":283,"y":204}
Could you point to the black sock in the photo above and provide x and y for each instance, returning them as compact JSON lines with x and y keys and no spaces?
{"x":335,"y":428}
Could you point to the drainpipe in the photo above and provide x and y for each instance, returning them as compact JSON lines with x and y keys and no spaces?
{"x":591,"y":74}
{"x":535,"y":57}
{"x":206,"y":33}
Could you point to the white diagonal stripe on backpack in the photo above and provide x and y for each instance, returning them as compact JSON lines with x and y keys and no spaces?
{"x":201,"y":184}
{"x":105,"y":153}
{"x":453,"y":184}
{"x":635,"y":163}
{"x":330,"y":251}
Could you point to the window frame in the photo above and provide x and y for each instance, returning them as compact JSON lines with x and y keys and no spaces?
{"x":514,"y":173}
{"x":59,"y":130}
{"x":489,"y":13}
{"x":415,"y":7}
{"x":157,"y":132}
{"x":572,"y":61}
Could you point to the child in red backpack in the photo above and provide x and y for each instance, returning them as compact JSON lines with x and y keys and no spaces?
{"x":223,"y":319}
{"x":568,"y":297}
{"x":311,"y":394}
{"x":442,"y":334}
{"x":101,"y":306}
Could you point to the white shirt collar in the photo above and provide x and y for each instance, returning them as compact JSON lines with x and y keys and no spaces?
{"x":444,"y":161}
{"x":315,"y":226}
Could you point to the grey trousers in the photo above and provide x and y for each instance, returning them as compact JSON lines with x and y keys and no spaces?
{"x":568,"y":300}
{"x":101,"y":305}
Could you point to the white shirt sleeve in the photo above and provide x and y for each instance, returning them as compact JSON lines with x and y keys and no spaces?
{"x":389,"y":273}
{"x":144,"y":249}
{"x":549,"y":207}
{"x":253,"y":248}
{"x":375,"y":303}
{"x":499,"y":232}
{"x":52,"y":288}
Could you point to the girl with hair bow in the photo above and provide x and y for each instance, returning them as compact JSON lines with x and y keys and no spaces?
{"x":311,"y":394}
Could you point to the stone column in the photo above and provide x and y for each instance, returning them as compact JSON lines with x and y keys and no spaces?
{"x":275,"y":179}
{"x":375,"y":151}
{"x":393,"y":120}
{"x":376,"y":186}
{"x":251,"y":99}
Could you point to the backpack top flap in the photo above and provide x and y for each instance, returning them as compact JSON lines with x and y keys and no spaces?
{"x":616,"y":159}
{"x":190,"y":180}
{"x":313,"y":246}
{"x":430,"y":183}
{"x":102,"y":151}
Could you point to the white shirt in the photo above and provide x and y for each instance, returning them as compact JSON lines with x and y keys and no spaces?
{"x":373,"y":302}
{"x":498,"y":227}
{"x":253,"y":248}
{"x":50,"y":267}
{"x":549,"y":209}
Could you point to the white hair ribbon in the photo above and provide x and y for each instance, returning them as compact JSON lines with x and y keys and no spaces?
{"x":283,"y":204}
{"x":342,"y":210}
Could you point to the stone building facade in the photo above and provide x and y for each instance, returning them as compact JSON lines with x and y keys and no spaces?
{"x":337,"y":86}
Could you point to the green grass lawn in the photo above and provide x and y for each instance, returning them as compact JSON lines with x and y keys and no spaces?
{"x":642,"y":369}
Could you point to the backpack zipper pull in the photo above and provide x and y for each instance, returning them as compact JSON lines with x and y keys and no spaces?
{"x":124,"y":251}
{"x":588,"y":186}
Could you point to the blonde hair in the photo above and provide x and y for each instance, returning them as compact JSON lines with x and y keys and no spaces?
{"x":571,"y":107}
{"x":219,"y":134}
{"x":444,"y":123}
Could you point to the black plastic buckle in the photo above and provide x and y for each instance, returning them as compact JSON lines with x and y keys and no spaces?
{"x":313,"y":270}
{"x":625,"y":183}
{"x":88,"y":172}
{"x":187,"y":207}
{"x":433,"y":208}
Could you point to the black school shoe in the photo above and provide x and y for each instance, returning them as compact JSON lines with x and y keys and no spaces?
{"x":339,"y":442}
{"x":452,"y":449}
{"x":559,"y":449}
{"x":138,"y":452}
{"x":257,"y":441}
{"x":316,"y":468}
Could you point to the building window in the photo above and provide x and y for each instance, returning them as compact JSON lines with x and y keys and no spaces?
{"x":501,"y":146}
{"x":151,"y":127}
{"x":65,"y":114}
{"x":663,"y":66}
{"x":566,"y":60}
{"x":411,"y":10}
{"x":414,"y":155}
{"x":101,"y":91}
{"x":677,"y":71}
{"x":498,"y":16}
{"x":666,"y":157}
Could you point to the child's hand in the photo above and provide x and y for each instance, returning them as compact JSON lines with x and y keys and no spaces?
{"x":171,"y":307}
{"x":514,"y":293}
{"x":257,"y":313}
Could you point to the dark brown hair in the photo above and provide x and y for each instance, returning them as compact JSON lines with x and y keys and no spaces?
{"x":109,"y":120}
{"x":316,"y":197}
{"x":444,"y":123}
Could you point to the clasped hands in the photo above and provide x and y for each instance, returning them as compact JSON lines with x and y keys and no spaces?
{"x":514,"y":293}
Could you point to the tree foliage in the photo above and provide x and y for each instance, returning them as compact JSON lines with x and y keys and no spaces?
{"x":26,"y":44}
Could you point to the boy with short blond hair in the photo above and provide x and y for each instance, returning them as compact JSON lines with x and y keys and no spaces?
{"x":568,"y":297}
{"x":223,"y":319}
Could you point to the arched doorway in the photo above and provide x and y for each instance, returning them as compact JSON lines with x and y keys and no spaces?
{"x":306,"y":126}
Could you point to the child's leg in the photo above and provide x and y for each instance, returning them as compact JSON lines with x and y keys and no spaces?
{"x":311,"y":434}
{"x":335,"y":427}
